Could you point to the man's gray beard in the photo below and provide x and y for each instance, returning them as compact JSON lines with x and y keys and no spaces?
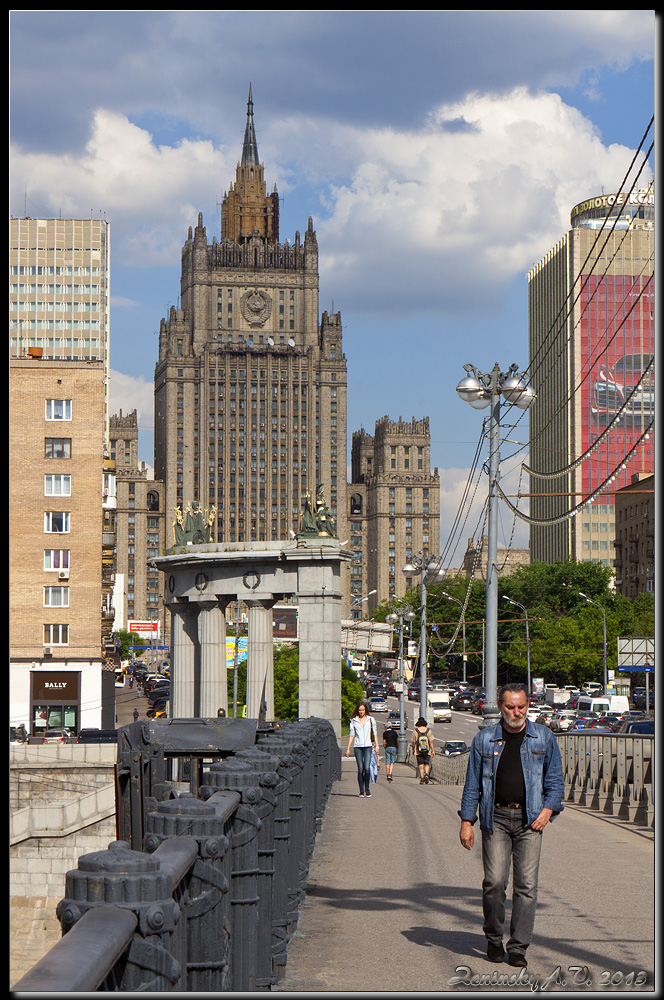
{"x":513,"y":723}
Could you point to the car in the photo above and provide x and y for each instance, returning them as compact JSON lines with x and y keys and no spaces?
{"x":478,"y":702}
{"x":151,"y":679}
{"x":638,"y":727}
{"x":454,"y":748}
{"x":58,"y":736}
{"x":394,"y":719}
{"x":378,"y":705}
{"x":561,"y":722}
{"x":630,"y":374}
{"x":159,"y":695}
{"x":414,"y":691}
{"x":98,"y":736}
{"x":463,"y":702}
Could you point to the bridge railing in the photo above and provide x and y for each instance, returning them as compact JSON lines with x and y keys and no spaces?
{"x":614,"y":774}
{"x":201,"y":890}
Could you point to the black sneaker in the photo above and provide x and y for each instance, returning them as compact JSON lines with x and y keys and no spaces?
{"x":495,"y":952}
{"x":517,"y":959}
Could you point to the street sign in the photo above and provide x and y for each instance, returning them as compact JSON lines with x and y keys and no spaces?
{"x":636,"y":653}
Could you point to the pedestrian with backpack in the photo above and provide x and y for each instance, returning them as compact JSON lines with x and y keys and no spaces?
{"x":423,"y":749}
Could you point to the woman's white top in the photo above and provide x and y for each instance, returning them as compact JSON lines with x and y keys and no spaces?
{"x":361,"y":730}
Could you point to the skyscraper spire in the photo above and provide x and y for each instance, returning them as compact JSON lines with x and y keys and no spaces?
{"x":250,"y":146}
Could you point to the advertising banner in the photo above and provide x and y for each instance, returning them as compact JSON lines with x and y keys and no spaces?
{"x":617,"y":378}
{"x":146,"y":629}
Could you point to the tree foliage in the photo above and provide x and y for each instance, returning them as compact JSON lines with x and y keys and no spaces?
{"x":566,"y":632}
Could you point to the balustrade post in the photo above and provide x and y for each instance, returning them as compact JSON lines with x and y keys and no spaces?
{"x":126,"y":879}
{"x":205,"y":911}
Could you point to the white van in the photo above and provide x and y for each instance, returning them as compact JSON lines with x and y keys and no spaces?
{"x":602,"y":704}
{"x":439,"y":703}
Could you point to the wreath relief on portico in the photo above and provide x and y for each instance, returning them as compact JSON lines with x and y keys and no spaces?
{"x":256,"y":307}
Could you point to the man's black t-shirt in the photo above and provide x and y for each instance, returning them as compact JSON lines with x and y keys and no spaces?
{"x":510,"y":786}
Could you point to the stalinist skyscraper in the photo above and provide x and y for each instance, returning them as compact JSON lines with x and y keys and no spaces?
{"x":250,"y":385}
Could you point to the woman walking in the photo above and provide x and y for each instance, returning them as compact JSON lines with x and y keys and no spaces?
{"x":363,"y":739}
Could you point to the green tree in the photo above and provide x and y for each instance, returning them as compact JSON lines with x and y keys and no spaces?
{"x":127,"y":639}
{"x":286,"y":682}
{"x":287,"y":688}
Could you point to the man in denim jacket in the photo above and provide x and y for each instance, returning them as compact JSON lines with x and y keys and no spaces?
{"x":515,"y":779}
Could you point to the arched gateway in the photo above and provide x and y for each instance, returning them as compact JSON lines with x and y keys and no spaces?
{"x":203,"y":579}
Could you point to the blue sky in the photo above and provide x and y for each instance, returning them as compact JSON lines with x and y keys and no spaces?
{"x":438,"y":152}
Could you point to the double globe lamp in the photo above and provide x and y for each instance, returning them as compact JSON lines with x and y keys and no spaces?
{"x":481,"y":390}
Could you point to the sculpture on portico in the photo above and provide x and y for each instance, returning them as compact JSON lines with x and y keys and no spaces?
{"x":194,"y":526}
{"x":316,"y":521}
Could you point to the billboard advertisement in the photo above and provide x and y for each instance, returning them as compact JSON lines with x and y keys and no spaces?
{"x":617,"y":376}
{"x":146,"y":629}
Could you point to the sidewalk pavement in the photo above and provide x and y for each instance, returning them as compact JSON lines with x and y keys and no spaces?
{"x":126,"y":700}
{"x":394,"y":902}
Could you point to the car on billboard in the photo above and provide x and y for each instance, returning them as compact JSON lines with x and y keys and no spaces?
{"x":614,"y":383}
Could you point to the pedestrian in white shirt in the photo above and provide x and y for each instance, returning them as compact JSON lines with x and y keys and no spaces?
{"x":363,"y":740}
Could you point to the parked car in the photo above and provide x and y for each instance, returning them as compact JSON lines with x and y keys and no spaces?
{"x":151,"y":679}
{"x":98,"y":736}
{"x":478,"y":702}
{"x":378,"y":705}
{"x":58,"y":736}
{"x":453,"y":748}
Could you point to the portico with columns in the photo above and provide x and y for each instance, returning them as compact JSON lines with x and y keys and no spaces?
{"x":202,"y":580}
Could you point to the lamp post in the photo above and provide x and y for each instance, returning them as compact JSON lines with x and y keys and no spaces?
{"x":355,"y":603}
{"x":517,"y":605}
{"x":422,"y":565}
{"x":590,"y":601}
{"x":463,"y":625}
{"x":480,"y":390}
{"x":401,"y":615}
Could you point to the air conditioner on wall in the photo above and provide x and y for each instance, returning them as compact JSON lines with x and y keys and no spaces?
{"x":63,"y":574}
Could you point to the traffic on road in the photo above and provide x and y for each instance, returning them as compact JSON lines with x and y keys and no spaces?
{"x":455,"y":735}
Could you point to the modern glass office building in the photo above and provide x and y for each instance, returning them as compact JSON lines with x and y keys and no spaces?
{"x":592,"y":342}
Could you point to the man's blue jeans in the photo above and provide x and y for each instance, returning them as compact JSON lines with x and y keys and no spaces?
{"x":511,"y":843}
{"x":363,"y":758}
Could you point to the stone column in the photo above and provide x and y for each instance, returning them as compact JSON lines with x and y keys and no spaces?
{"x":260,"y":658}
{"x":319,"y":622}
{"x":213,"y":693}
{"x":184,"y":659}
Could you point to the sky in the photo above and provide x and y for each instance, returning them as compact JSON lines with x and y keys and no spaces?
{"x":439,"y":154}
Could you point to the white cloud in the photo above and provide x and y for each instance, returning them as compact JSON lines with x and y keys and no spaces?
{"x":128,"y":393}
{"x":435,"y":216}
{"x":423,"y":219}
{"x":462,"y":510}
{"x":144,"y":190}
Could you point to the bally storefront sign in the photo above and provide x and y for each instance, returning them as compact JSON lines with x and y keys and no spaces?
{"x":55,"y":698}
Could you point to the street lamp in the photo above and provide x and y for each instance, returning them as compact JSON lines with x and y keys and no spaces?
{"x":463,"y":624}
{"x":517,"y":605}
{"x":355,"y":603}
{"x":423,"y":565}
{"x":480,"y":390}
{"x":401,"y":615}
{"x":590,"y":601}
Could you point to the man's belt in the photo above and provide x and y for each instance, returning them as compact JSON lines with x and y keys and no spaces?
{"x":510,"y":805}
